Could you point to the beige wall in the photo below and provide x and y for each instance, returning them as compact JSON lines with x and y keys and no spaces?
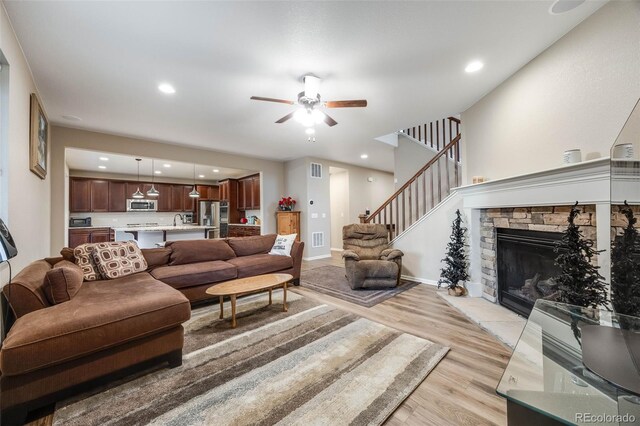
{"x":576,"y":94}
{"x":63,"y":137}
{"x":362,"y":195}
{"x":28,"y":208}
{"x":339,"y":201}
{"x":409,"y":157}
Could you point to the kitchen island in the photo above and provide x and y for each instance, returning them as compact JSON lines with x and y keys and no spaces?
{"x":155,"y":235}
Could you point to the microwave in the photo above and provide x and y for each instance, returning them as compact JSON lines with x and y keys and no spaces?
{"x":75,"y":222}
{"x":138,"y":205}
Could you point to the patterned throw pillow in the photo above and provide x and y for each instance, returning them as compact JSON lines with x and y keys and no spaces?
{"x":283,"y":245}
{"x":118,"y":259}
{"x":84,"y":259}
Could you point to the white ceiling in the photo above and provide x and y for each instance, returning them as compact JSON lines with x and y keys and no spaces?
{"x":79,"y":159}
{"x":103,"y":61}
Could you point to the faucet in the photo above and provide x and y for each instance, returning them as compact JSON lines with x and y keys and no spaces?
{"x":181,"y":219}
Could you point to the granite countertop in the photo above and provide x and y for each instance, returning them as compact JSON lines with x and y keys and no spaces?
{"x":163,"y":228}
{"x":244,"y":224}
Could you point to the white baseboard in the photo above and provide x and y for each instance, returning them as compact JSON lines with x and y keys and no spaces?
{"x":324,"y":256}
{"x":418,"y":279}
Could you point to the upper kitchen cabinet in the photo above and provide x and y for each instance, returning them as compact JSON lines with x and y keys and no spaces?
{"x":255,"y":192}
{"x":79,"y":195}
{"x":99,"y":196}
{"x":208,"y":192}
{"x":117,"y":196}
{"x":249,"y":193}
{"x":189,"y":202}
{"x":165,"y":197}
{"x":177,"y":198}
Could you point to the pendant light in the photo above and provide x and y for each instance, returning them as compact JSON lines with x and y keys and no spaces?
{"x":138,"y":194}
{"x":153,"y":192}
{"x":194,"y":193}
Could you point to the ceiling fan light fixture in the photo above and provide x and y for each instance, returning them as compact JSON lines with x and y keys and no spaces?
{"x":318,"y":116}
{"x":304,"y":116}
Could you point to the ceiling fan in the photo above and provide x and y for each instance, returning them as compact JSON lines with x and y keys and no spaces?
{"x":309,"y":100}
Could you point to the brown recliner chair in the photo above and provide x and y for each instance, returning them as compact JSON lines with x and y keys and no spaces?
{"x":369,"y":261}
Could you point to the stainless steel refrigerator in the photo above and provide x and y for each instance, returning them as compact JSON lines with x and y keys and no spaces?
{"x":209,"y":212}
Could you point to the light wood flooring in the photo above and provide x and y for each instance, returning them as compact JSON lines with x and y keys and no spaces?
{"x":461,"y":388}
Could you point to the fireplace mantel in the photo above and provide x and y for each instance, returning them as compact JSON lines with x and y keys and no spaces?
{"x":588,"y":182}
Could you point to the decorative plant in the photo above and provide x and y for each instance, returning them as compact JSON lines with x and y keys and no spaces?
{"x":287,"y":203}
{"x":456,"y":263}
{"x":625,"y":270}
{"x":580,"y":283}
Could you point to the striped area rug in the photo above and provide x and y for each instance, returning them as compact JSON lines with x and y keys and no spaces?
{"x":312,"y":365}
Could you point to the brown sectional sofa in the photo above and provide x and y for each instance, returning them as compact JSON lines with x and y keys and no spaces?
{"x":111,"y":327}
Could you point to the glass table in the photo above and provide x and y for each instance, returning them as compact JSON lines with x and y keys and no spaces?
{"x":546,"y":382}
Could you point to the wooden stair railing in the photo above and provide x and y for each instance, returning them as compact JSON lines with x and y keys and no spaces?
{"x":435,"y":134}
{"x":426,"y":189}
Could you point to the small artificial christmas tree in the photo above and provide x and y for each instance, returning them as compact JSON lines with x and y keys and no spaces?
{"x":456,"y":258}
{"x":580,"y":283}
{"x":625,"y":270}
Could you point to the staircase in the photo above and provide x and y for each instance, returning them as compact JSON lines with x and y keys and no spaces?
{"x":431,"y":184}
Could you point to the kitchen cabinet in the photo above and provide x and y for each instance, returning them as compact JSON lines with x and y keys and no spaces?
{"x":79,"y":195}
{"x":89,"y":235}
{"x":242,"y":194}
{"x":189,"y":202}
{"x":117,"y":196}
{"x":249,"y":193}
{"x":208,"y":192}
{"x":255,"y":192}
{"x":243,"y":231}
{"x":165,"y":198}
{"x":214,"y":193}
{"x":177,"y":198}
{"x":288,"y":223}
{"x":224,"y":190}
{"x":99,"y":195}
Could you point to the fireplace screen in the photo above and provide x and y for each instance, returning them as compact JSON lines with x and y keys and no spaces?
{"x":526,"y":267}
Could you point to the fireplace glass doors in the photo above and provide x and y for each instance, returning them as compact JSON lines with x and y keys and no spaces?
{"x":526,"y":267}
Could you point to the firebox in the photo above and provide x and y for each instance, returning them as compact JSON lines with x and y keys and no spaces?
{"x":526,"y":267}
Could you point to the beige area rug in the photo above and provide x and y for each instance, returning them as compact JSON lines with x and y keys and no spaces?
{"x":313,"y":365}
{"x":332,"y":281}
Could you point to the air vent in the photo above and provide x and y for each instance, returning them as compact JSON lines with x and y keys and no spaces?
{"x":317,"y":239}
{"x":316,"y":170}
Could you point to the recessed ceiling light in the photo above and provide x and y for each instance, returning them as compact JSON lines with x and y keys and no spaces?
{"x":310,"y":131}
{"x":104,"y":159}
{"x":216,"y":171}
{"x":102,"y":167}
{"x":364,"y":156}
{"x":72,"y":118}
{"x":166,"y":88}
{"x":474,"y":66}
{"x":562,"y":6}
{"x":158,"y":172}
{"x":200,"y":176}
{"x":166,"y":165}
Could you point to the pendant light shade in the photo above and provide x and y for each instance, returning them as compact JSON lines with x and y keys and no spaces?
{"x":194,"y":193}
{"x":153,"y":192}
{"x":138,"y":194}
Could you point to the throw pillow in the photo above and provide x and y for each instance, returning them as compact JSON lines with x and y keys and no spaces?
{"x":84,"y":259}
{"x":283,"y":244}
{"x":62,"y":282}
{"x":118,"y":259}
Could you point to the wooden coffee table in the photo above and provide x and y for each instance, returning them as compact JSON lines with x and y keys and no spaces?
{"x":248,"y":285}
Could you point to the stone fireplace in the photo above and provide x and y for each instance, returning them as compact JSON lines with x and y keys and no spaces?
{"x":517,"y":257}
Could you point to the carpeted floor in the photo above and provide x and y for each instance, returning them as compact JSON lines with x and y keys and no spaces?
{"x":331,"y":280}
{"x":312,"y":365}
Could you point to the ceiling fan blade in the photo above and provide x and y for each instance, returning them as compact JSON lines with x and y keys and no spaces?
{"x":285,"y":118}
{"x":346,"y":104}
{"x":330,"y":121}
{"x":281,"y":101}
